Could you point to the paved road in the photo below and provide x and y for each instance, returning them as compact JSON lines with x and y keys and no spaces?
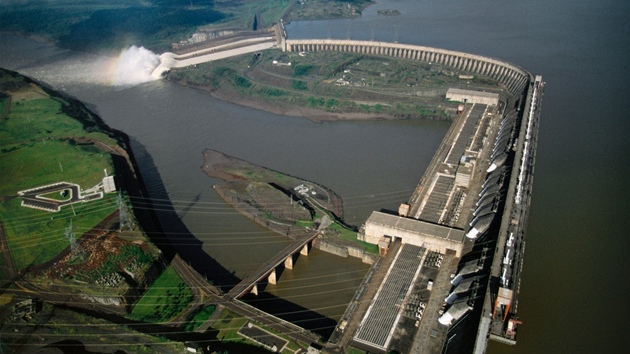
{"x":213,"y":296}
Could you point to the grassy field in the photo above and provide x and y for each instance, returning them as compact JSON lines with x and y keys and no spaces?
{"x":167,"y":297}
{"x":351,"y":236}
{"x":38,"y":148}
{"x":228,"y":325}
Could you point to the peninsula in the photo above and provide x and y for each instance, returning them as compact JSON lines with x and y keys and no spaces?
{"x":285,"y":204}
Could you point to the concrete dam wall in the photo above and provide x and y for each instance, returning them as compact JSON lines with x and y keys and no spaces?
{"x":514,"y":78}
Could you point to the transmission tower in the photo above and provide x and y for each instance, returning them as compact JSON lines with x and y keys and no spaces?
{"x":70,"y":236}
{"x":123,"y":214}
{"x":75,"y":248}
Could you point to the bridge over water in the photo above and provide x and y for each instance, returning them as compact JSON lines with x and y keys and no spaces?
{"x":268,"y":269}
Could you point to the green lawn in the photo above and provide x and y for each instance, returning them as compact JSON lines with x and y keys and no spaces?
{"x":165,"y":299}
{"x":351,"y":235}
{"x":37,"y":149}
{"x":37,"y":236}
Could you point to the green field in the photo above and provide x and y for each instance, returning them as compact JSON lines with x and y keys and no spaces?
{"x":228,"y":325}
{"x":165,"y":299}
{"x":38,"y":147}
{"x":200,"y":318}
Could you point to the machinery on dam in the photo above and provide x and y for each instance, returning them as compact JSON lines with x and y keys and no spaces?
{"x":471,"y":206}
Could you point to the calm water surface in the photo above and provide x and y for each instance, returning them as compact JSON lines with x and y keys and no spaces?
{"x":576,"y":264}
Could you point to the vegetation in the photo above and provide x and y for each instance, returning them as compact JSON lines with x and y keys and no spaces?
{"x":53,"y":326}
{"x":130,"y":256}
{"x":167,"y":297}
{"x":228,"y":325}
{"x":327,"y":9}
{"x":37,"y":149}
{"x":95,"y":25}
{"x":334,"y":82}
{"x":350,"y":236}
{"x":199,"y":318}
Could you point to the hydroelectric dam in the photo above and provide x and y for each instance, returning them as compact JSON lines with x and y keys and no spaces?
{"x":448,"y":275}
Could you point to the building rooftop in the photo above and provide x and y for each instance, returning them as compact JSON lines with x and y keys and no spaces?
{"x":416,"y":226}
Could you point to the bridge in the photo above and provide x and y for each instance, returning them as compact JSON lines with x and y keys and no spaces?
{"x":268,"y":269}
{"x":206,"y":294}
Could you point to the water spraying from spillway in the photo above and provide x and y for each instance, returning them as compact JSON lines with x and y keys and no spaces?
{"x":134,"y":65}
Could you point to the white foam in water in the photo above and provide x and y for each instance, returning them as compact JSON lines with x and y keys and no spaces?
{"x":134,"y":66}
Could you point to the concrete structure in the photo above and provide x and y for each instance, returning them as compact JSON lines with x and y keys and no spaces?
{"x":35,"y":197}
{"x":514,"y":78}
{"x":220,"y":51}
{"x":378,"y":325}
{"x":434,"y":220}
{"x":458,"y":182}
{"x":433,"y":237}
{"x":470,"y":96}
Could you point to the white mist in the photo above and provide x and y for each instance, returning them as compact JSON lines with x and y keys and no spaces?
{"x":134,"y":66}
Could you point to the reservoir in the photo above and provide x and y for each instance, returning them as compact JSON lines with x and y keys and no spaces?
{"x":576,"y":259}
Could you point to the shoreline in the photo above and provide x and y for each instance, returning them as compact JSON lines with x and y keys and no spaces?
{"x":312,"y":114}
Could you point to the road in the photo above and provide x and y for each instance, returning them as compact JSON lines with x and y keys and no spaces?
{"x":207,"y":294}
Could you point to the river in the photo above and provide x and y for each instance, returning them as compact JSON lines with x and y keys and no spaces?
{"x":572,"y":298}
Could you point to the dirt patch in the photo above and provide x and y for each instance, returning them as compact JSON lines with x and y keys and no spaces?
{"x":28,"y":93}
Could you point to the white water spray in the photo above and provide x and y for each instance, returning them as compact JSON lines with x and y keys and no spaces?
{"x":134,"y":66}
